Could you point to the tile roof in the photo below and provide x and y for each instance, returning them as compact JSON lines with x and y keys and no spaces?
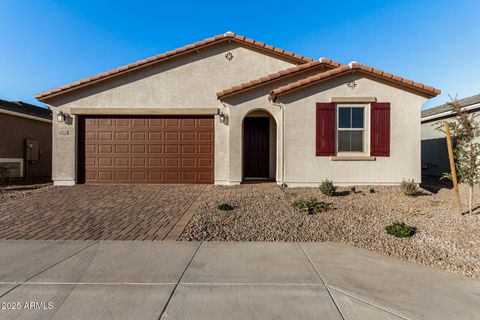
{"x":229,"y":36}
{"x":322,"y":62}
{"x":26,"y":108}
{"x":351,"y":68}
{"x":446,"y":107}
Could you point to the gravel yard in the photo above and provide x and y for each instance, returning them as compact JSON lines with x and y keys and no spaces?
{"x":442,"y":239}
{"x":13,"y":192}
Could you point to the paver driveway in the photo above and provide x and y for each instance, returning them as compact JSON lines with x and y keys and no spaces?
{"x":98,"y":212}
{"x":114,"y":212}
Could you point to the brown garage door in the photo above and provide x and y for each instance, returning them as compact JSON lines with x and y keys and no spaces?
{"x":146,"y":149}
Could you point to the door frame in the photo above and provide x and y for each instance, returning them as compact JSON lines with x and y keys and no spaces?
{"x":244,"y":150}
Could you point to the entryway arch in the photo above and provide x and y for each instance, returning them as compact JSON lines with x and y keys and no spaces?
{"x":259,"y":141}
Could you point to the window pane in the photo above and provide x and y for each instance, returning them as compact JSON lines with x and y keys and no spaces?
{"x":344,"y":117}
{"x":356,"y":141}
{"x":343,"y":141}
{"x":357,"y":117}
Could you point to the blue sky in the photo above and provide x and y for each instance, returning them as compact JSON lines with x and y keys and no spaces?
{"x":45,"y":44}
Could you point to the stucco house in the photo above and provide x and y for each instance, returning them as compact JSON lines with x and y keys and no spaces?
{"x":229,"y":109}
{"x":435,"y":160}
{"x":25,"y":142}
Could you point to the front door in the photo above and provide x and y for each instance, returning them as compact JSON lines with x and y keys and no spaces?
{"x":256,"y":147}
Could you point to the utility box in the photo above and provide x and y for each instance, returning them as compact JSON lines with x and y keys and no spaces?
{"x":31,"y":149}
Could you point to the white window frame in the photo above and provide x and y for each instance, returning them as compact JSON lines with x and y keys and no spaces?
{"x":366,"y":130}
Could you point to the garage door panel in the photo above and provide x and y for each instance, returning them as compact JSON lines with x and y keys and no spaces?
{"x":155,"y":149}
{"x":105,"y":175}
{"x":172,"y":176}
{"x":155,"y":162}
{"x":205,"y":122}
{"x":172,"y":122}
{"x":138,"y":135}
{"x":139,"y":148}
{"x":155,"y":136}
{"x":155,"y":122}
{"x":205,"y":163}
{"x":122,"y":162}
{"x":122,"y":135}
{"x":122,"y":175}
{"x":146,"y":149}
{"x":105,"y":162}
{"x":155,"y":176}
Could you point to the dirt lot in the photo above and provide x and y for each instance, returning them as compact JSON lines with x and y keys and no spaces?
{"x":443,"y":239}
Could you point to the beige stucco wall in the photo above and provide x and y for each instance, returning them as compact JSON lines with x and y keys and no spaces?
{"x":302,"y":167}
{"x":190,"y":81}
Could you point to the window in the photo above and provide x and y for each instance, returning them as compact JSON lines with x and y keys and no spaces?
{"x":351,"y":129}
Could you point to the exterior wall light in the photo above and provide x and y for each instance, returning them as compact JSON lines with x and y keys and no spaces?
{"x":61,"y":117}
{"x":223,"y":118}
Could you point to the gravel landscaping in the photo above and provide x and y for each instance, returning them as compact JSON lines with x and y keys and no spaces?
{"x":442,"y":238}
{"x":14,"y":192}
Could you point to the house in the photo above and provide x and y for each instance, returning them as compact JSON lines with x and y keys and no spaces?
{"x":25,"y":142}
{"x":229,"y":109}
{"x":435,"y":160}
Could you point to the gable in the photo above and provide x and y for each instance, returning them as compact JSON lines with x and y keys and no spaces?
{"x":363,"y":70}
{"x":227,"y":38}
{"x":188,"y":81}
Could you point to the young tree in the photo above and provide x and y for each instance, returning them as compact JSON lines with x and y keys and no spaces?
{"x":465,"y":130}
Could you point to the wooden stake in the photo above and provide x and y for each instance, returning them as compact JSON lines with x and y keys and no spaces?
{"x":452,"y":167}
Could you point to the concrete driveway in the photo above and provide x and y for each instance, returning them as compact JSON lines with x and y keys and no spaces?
{"x":174,"y":280}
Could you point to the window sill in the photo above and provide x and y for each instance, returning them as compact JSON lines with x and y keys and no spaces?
{"x":352,"y":158}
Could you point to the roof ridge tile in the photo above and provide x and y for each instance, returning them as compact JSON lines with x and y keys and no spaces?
{"x":351,"y":67}
{"x":159,"y":57}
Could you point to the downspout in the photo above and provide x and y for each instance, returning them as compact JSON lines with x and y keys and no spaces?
{"x":282,"y":107}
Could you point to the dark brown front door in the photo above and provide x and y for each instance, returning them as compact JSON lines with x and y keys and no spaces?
{"x":146,"y":149}
{"x":256,"y":147}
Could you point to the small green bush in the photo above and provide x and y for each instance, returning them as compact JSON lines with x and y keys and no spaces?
{"x":225,"y":207}
{"x":409,"y":188}
{"x":327,"y":188}
{"x":311,"y":205}
{"x":400,"y":230}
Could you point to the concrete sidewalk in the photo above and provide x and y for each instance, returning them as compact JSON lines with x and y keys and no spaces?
{"x":214,"y":280}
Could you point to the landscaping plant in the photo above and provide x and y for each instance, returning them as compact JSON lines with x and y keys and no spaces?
{"x":225,"y":207}
{"x":311,"y":205}
{"x":327,"y":188}
{"x":409,"y":187}
{"x":400,"y":229}
{"x":465,"y":130}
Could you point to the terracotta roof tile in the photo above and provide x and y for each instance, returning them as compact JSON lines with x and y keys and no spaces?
{"x":229,"y":36}
{"x":354,"y":67}
{"x":323,"y":62}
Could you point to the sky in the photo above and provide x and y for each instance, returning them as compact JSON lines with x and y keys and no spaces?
{"x":45,"y":44}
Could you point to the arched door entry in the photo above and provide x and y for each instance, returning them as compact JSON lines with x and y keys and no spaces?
{"x":256,"y":132}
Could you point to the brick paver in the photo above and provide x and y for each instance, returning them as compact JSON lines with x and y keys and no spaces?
{"x":113,"y":212}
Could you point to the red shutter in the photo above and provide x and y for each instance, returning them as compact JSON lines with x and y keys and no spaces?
{"x":325,"y":133}
{"x":380,"y":129}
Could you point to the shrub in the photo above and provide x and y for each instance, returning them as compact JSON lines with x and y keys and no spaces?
{"x":225,"y":207}
{"x":311,"y":205}
{"x":400,"y":230}
{"x":409,"y":188}
{"x":327,"y":188}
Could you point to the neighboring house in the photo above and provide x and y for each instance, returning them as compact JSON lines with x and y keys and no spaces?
{"x":25,"y":142}
{"x":228,"y":109}
{"x":434,"y":146}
